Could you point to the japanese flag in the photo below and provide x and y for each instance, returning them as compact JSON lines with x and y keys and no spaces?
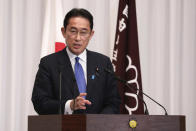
{"x":53,"y":21}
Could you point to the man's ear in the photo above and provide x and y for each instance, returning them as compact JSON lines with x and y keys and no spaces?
{"x":92,"y":33}
{"x":63,"y":31}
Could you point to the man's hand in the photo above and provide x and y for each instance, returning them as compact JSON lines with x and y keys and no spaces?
{"x":79,"y":102}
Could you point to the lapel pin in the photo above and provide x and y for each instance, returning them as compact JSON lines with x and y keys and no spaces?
{"x":93,"y":77}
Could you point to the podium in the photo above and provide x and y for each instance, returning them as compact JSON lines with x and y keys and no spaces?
{"x":106,"y":122}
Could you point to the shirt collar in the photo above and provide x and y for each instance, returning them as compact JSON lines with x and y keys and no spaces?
{"x":82,"y":56}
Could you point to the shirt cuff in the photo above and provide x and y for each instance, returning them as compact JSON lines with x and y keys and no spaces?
{"x":68,"y":108}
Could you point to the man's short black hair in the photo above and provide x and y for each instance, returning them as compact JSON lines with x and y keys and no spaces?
{"x":75,"y":12}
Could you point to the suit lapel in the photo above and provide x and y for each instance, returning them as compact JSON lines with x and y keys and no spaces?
{"x":68,"y":77}
{"x":90,"y":71}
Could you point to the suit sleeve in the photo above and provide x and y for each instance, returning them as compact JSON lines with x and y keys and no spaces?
{"x":112,"y":99}
{"x":42,"y":96}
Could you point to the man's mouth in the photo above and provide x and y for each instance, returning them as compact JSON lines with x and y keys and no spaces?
{"x":77,"y":46}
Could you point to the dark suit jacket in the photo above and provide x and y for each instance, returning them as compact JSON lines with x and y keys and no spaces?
{"x":101,"y":91}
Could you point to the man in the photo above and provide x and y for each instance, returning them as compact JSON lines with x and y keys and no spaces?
{"x":85,"y":86}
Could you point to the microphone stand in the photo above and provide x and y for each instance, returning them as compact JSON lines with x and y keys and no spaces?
{"x":127,"y":84}
{"x":60,"y":88}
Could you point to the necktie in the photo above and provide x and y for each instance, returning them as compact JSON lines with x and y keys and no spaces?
{"x":79,"y":74}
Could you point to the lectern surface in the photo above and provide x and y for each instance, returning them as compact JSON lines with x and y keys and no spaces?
{"x":100,"y":122}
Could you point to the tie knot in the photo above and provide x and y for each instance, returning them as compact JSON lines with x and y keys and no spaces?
{"x":77,"y":59}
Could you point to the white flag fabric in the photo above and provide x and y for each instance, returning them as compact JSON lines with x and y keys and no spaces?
{"x":53,"y":21}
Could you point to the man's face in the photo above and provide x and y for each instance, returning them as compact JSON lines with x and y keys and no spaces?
{"x":77,"y":34}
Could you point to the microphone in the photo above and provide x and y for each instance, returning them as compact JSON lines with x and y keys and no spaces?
{"x":60,"y":88}
{"x":127,"y":84}
{"x":97,"y":71}
{"x":74,"y":97}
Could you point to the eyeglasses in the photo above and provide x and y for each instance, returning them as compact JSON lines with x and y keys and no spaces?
{"x":82,"y":33}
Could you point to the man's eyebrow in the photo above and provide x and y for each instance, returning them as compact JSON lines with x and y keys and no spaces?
{"x":73,"y":28}
{"x":83,"y":29}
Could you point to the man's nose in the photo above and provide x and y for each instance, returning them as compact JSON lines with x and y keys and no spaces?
{"x":78,"y":36}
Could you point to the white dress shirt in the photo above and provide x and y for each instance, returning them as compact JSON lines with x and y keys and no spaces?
{"x":82,"y":61}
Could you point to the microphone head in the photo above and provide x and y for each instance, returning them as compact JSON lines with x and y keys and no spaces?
{"x":97,"y":71}
{"x":108,"y":71}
